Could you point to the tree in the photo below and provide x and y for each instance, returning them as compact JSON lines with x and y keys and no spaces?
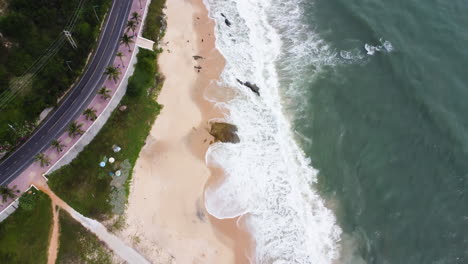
{"x":131,"y":24}
{"x":57,"y":144}
{"x":136,"y":17}
{"x":42,"y":159}
{"x":112,"y":73}
{"x":74,"y":129}
{"x":120,"y":55}
{"x":104,"y":93}
{"x":127,"y":40}
{"x":7,"y":192}
{"x":90,"y":114}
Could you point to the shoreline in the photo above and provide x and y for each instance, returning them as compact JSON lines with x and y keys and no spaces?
{"x":166,"y":217}
{"x":206,"y":86}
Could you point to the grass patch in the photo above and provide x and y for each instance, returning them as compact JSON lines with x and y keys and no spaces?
{"x":78,"y":245}
{"x":24,"y":235}
{"x":155,"y":24}
{"x":83,"y":184}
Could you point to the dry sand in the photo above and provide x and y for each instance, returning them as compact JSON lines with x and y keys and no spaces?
{"x":166,"y":218}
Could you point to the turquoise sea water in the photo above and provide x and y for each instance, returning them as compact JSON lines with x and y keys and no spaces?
{"x":389,"y":131}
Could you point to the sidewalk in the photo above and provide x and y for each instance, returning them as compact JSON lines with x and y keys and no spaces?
{"x":117,"y":89}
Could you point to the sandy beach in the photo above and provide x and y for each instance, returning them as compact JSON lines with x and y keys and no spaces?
{"x":166,"y":218}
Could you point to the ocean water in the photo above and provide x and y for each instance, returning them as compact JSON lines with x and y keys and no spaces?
{"x":356,"y":151}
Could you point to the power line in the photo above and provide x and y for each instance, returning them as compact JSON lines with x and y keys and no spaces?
{"x":70,"y":39}
{"x":23,"y":81}
{"x":70,"y":27}
{"x":9,"y":95}
{"x":19,"y":83}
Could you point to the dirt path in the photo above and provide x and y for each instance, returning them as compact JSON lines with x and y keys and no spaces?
{"x":54,"y":238}
{"x":113,"y":242}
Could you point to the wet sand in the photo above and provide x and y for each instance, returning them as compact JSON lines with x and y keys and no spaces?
{"x":206,"y":87}
{"x":166,"y":218}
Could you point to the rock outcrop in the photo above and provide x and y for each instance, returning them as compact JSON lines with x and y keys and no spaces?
{"x":228,"y":23}
{"x":252,"y":86}
{"x":224,"y":132}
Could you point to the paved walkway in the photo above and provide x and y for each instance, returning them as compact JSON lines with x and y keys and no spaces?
{"x":145,"y":43}
{"x":35,"y":172}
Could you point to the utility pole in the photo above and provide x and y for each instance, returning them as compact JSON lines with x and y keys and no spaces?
{"x":95,"y":13}
{"x":67,"y":62}
{"x":140,"y":4}
{"x":70,"y":38}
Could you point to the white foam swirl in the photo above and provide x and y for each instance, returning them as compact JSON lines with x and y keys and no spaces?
{"x":267,"y":174}
{"x":385,"y":46}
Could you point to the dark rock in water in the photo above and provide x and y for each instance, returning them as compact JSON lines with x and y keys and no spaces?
{"x":196,"y":57}
{"x":224,"y":132}
{"x":228,"y":23}
{"x":252,"y":86}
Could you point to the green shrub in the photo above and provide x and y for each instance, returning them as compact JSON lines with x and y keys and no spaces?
{"x":155,"y":21}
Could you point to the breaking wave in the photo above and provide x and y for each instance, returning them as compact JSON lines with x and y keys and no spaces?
{"x":268,"y":178}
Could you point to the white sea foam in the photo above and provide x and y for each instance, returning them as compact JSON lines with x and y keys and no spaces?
{"x":385,"y":45}
{"x":268,"y":176}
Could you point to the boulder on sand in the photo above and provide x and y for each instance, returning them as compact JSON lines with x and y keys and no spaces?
{"x":224,"y":132}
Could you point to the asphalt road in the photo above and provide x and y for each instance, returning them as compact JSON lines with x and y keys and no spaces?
{"x":76,"y":100}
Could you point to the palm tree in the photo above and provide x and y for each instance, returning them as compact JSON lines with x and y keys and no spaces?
{"x":120,"y":55}
{"x":90,"y":114}
{"x":57,"y":144}
{"x":104,"y":93}
{"x":127,"y":40}
{"x":136,"y":17}
{"x":6,"y":192}
{"x":131,"y":25}
{"x":74,"y":129}
{"x":42,"y":159}
{"x":112,"y":73}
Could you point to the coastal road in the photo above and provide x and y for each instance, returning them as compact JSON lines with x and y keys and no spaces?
{"x":76,"y":100}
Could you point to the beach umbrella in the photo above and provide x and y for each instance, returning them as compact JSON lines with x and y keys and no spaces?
{"x":116,"y":148}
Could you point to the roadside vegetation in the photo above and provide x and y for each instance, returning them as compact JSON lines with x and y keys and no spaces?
{"x":78,"y":245}
{"x":27,"y":30}
{"x":24,"y":234}
{"x":83,"y":184}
